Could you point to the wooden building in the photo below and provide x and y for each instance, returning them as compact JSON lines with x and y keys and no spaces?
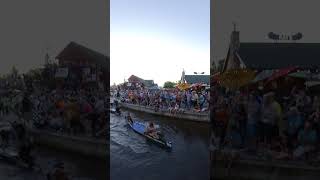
{"x":82,"y":66}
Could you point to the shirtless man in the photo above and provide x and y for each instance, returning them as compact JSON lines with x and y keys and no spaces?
{"x":151,"y":131}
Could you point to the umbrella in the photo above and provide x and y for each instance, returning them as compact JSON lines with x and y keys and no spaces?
{"x":263,"y":75}
{"x":183,"y":86}
{"x":215,"y":77}
{"x":301,"y":74}
{"x":312,"y":83}
{"x":281,"y":72}
{"x":237,"y":78}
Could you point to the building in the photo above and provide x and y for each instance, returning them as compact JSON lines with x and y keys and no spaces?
{"x":270,"y":55}
{"x":194,"y":79}
{"x":139,"y":82}
{"x":81,"y":66}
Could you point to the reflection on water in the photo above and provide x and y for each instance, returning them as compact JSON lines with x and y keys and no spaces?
{"x":132,"y":157}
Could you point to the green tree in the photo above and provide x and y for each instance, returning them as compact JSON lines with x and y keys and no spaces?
{"x":169,"y":84}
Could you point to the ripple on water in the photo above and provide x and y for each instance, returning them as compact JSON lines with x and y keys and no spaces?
{"x":140,"y":159}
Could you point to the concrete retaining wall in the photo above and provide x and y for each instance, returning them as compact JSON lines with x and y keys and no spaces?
{"x":82,"y":145}
{"x":262,"y":170}
{"x":199,"y":117}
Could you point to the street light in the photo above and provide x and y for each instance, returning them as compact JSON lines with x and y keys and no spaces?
{"x":198,"y":72}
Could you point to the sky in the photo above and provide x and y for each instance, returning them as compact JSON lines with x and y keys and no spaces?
{"x":255,"y":19}
{"x":29,"y":27}
{"x":157,"y":39}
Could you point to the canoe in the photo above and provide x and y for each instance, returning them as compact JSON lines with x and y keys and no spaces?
{"x":140,"y":128}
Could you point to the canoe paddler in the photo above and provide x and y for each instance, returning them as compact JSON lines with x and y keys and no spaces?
{"x":151,"y":131}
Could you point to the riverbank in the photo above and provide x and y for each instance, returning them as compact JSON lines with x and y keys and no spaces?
{"x":198,"y":117}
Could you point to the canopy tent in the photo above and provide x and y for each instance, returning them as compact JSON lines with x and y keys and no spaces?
{"x":236,"y":78}
{"x":263,"y":75}
{"x":281,"y":72}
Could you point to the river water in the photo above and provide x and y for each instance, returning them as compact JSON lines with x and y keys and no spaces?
{"x":134,"y":158}
{"x":77,"y":166}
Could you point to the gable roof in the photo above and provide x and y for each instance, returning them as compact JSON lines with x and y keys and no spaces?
{"x":280,"y":55}
{"x":192,"y":79}
{"x":75,"y":51}
{"x":135,"y":79}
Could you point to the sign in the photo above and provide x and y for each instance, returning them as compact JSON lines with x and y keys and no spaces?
{"x":86,"y":74}
{"x":293,"y":37}
{"x":62,"y":73}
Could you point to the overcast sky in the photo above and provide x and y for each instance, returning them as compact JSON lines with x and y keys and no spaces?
{"x":256,"y":18}
{"x":28,"y":27}
{"x":156,"y":39}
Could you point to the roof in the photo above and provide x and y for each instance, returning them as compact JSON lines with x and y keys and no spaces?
{"x":192,"y":79}
{"x":280,"y":55}
{"x":74,"y":51}
{"x":135,"y":79}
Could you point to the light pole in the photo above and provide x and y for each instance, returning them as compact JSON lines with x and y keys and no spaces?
{"x":198,"y":72}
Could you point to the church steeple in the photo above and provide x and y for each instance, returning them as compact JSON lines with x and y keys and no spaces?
{"x":183,"y":77}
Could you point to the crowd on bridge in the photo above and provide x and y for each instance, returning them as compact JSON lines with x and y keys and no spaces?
{"x":277,"y":126}
{"x":172,"y":100}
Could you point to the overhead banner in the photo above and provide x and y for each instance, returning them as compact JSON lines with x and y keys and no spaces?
{"x":62,"y":73}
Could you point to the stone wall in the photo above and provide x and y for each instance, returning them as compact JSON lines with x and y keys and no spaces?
{"x":199,"y":117}
{"x":82,"y":145}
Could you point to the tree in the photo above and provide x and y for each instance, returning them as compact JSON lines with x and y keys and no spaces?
{"x":169,"y":84}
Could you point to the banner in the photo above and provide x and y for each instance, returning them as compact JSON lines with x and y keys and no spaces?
{"x":62,"y":73}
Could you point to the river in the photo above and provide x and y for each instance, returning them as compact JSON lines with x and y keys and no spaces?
{"x":132,"y":157}
{"x":77,"y":166}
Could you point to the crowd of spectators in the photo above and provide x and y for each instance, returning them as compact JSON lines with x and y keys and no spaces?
{"x":267,"y":124}
{"x":172,"y":100}
{"x":69,"y":111}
